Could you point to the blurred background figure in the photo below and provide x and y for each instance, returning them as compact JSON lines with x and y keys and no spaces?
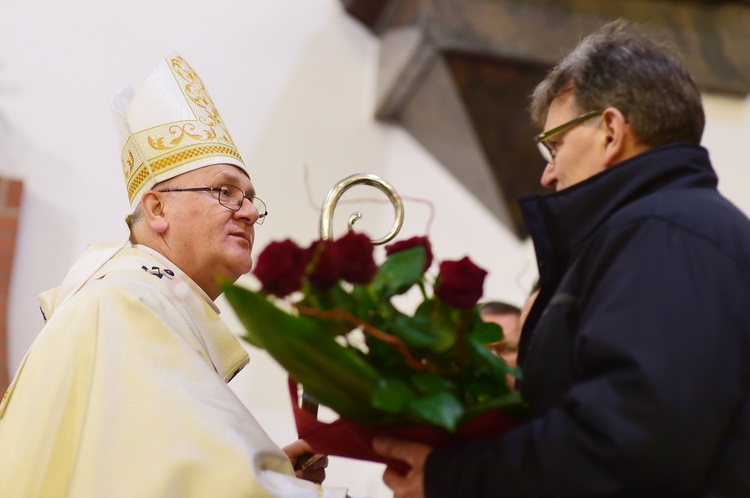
{"x":508,"y":316}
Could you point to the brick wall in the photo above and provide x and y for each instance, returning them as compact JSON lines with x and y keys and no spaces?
{"x":10,"y":202}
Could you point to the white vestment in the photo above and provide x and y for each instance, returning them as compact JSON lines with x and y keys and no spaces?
{"x":124,"y":394}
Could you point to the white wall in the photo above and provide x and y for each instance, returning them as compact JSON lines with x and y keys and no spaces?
{"x":294,"y":82}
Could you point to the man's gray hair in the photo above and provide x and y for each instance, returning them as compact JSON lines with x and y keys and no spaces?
{"x":134,"y":217}
{"x":137,"y":213}
{"x":618,"y":66}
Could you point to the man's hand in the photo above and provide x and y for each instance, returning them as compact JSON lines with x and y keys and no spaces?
{"x":410,"y":485}
{"x":299,"y":452}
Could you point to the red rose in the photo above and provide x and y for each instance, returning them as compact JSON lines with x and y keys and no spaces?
{"x":403,"y":245}
{"x":280,"y":267}
{"x":460,"y":283}
{"x":325,"y":270}
{"x":354,"y":253}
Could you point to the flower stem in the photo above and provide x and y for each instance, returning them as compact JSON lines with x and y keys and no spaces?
{"x":391,"y":339}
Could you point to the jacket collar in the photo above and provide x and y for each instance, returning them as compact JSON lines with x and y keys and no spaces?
{"x":560,"y":221}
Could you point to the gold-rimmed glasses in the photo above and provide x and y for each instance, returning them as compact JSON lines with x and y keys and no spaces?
{"x":547,"y":151}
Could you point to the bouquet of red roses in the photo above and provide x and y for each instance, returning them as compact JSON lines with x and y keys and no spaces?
{"x":326,"y":314}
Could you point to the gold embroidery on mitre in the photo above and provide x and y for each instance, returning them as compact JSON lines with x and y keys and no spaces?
{"x":191,"y":155}
{"x":137,"y":180}
{"x":198,"y":98}
{"x":128,"y":164}
{"x":157,"y":150}
{"x":176,"y":160}
{"x":179,"y":132}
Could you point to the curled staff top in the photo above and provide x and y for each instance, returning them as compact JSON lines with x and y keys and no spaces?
{"x":329,"y":205}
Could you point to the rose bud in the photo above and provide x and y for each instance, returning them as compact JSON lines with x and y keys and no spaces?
{"x":280,"y":267}
{"x":403,"y":245}
{"x":460,"y":283}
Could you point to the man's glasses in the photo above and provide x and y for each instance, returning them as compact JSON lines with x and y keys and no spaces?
{"x":230,"y":197}
{"x":547,"y":151}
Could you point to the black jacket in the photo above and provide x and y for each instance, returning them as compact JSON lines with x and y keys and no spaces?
{"x":636,"y":353}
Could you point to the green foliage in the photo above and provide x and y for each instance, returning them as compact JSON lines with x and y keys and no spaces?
{"x":429,"y":367}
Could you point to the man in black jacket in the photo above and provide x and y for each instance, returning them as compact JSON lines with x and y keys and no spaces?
{"x":636,"y":353}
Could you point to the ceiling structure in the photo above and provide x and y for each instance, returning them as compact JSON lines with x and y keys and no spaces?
{"x":457,"y":73}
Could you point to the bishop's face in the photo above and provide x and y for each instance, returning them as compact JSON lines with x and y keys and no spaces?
{"x":204,"y":238}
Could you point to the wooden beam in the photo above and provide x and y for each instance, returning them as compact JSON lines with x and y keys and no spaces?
{"x":366,"y":11}
{"x":713,"y":36}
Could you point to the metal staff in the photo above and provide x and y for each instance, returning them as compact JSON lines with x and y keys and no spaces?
{"x":326,"y":227}
{"x":329,"y":205}
{"x":326,"y":233}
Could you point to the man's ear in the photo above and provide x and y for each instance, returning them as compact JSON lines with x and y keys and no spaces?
{"x":154,"y":211}
{"x":621,"y":142}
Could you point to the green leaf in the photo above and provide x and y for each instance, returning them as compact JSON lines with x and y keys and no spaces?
{"x":483,"y":359}
{"x":364,"y":305}
{"x":486,"y":332}
{"x":484,"y":388}
{"x":392,"y":395}
{"x":430,"y":383}
{"x":443,"y":324}
{"x":510,"y":404}
{"x":337,"y":376}
{"x":399,"y":272}
{"x":440,"y":409}
{"x":417,"y":332}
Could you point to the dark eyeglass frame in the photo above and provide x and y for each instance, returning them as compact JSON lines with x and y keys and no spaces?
{"x":541,"y":140}
{"x":261,"y":214}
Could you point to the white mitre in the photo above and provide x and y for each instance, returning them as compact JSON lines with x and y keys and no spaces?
{"x":168,"y":127}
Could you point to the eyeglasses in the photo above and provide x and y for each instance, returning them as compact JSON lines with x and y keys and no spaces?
{"x":548,"y":153}
{"x":230,"y":197}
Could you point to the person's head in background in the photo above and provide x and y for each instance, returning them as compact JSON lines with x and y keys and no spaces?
{"x":508,"y":317}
